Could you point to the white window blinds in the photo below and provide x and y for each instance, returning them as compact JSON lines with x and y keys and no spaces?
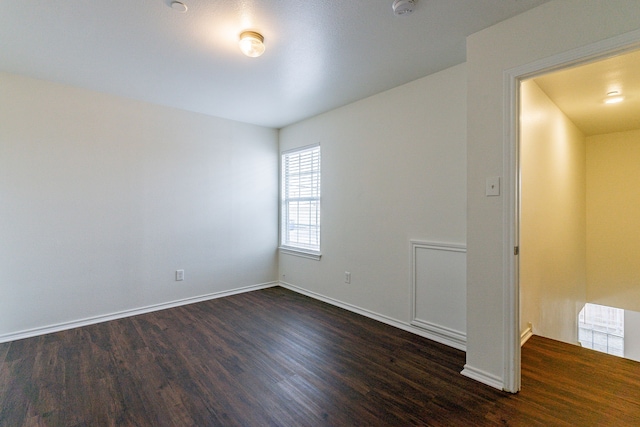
{"x":301,"y":199}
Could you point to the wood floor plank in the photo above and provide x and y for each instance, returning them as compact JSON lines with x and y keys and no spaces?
{"x":4,"y":349}
{"x":277,"y":358}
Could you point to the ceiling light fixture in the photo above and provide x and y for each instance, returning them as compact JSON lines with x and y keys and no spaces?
{"x":614,"y":100}
{"x":252,"y":43}
{"x":613,"y":97}
{"x":403,"y":7}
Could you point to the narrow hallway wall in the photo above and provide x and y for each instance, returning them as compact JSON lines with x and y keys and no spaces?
{"x":553,"y":218}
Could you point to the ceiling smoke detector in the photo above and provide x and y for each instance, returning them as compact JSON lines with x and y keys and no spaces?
{"x":403,"y":7}
{"x":178,"y":6}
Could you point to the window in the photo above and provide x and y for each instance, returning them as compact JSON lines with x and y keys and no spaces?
{"x":300,"y":211}
{"x":601,"y":328}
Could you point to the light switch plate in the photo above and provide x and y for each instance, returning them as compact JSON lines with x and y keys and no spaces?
{"x":493,"y":186}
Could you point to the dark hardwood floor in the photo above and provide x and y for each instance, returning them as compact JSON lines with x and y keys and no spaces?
{"x":276,"y":358}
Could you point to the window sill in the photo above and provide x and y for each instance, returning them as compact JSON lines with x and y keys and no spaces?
{"x":304,"y":253}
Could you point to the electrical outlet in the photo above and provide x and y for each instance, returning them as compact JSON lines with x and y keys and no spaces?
{"x":347,"y":277}
{"x":179,"y":275}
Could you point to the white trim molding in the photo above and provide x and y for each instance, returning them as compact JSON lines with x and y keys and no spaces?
{"x":526,"y":334}
{"x":128,"y":313}
{"x":287,"y":250}
{"x":483,"y":377}
{"x":434,"y":335}
{"x":442,"y":334}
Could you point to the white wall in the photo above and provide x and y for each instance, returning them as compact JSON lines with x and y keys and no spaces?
{"x":632,"y":335}
{"x":550,"y":29}
{"x":103,"y":198}
{"x":613,"y":220}
{"x":553,"y":243}
{"x":393,"y":169}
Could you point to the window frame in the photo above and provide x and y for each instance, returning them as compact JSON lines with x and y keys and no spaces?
{"x":286,"y":246}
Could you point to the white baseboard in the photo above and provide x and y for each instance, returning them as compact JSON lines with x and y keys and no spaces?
{"x":450,"y":337}
{"x":526,"y":334}
{"x":127,"y":313}
{"x":432,"y":332}
{"x":483,"y":377}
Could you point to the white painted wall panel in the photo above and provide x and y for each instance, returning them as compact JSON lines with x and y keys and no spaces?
{"x":632,"y":335}
{"x":613,"y":220}
{"x":393,"y":169}
{"x":553,"y":242}
{"x":439,"y":290}
{"x":103,"y":198}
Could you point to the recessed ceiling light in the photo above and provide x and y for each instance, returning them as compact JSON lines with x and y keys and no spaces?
{"x":252,"y":43}
{"x":178,"y":6}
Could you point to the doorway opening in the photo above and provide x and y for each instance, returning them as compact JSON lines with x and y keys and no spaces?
{"x":517,"y":295}
{"x":579,"y":205}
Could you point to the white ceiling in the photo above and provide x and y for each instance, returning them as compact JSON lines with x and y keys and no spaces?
{"x":579,"y":92}
{"x":320,"y":54}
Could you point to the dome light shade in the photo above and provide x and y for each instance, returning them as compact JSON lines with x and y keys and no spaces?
{"x":614,"y":97}
{"x":252,"y":43}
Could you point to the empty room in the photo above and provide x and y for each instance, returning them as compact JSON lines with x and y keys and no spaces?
{"x":274,"y":212}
